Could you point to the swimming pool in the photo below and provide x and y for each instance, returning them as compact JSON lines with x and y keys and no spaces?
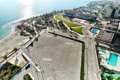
{"x":94,"y":34}
{"x":95,"y":30}
{"x":112,"y":60}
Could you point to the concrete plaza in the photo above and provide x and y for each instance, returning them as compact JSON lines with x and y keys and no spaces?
{"x":59,"y":58}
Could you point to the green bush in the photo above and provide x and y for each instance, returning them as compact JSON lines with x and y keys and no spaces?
{"x":78,"y":30}
{"x":103,"y":77}
{"x":109,"y":78}
{"x":118,"y":78}
{"x":27,"y":77}
{"x":8,"y":71}
{"x":82,"y":62}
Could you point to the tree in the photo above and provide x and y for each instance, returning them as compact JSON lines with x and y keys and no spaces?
{"x":109,"y":78}
{"x":15,"y":49}
{"x":5,"y":56}
{"x":118,"y":78}
{"x":27,"y":77}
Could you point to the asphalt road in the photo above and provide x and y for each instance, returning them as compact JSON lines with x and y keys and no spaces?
{"x":36,"y":75}
{"x":92,"y":71}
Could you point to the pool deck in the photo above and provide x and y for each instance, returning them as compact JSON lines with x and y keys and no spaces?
{"x":105,"y":56}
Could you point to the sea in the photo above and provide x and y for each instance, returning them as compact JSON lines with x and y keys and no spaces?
{"x":15,"y":10}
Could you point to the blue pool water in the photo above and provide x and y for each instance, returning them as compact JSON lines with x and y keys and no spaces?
{"x":112,"y":59}
{"x":94,"y":34}
{"x":94,"y":30}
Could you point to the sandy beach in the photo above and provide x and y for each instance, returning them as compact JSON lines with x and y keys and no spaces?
{"x":14,"y":40}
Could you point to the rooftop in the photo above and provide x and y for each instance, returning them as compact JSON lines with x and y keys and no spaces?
{"x":106,"y":36}
{"x":79,"y":12}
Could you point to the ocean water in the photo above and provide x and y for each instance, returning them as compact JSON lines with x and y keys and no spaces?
{"x":12,"y":10}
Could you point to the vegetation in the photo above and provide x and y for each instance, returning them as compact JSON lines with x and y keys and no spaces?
{"x":8,"y":71}
{"x":103,"y":77}
{"x":78,"y":30}
{"x":103,"y":69}
{"x":6,"y":55}
{"x":27,"y":77}
{"x":118,"y":78}
{"x":69,"y":24}
{"x":15,"y":49}
{"x":31,"y":31}
{"x":82,"y":62}
{"x":73,"y":26}
{"x":113,"y":12}
{"x":109,"y":78}
{"x":118,"y":30}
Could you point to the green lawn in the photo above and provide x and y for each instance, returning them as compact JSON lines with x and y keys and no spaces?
{"x":69,"y":24}
{"x":27,"y":77}
{"x":78,"y":30}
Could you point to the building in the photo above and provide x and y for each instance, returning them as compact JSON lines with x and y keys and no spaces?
{"x":110,"y":27}
{"x":80,"y":14}
{"x":106,"y":36}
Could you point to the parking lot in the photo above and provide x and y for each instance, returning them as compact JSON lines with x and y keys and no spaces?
{"x":59,"y":58}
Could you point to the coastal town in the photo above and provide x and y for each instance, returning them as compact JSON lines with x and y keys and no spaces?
{"x":74,"y":44}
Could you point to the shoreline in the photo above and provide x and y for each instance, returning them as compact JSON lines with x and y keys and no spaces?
{"x":12,"y":31}
{"x":14,"y":39}
{"x":13,"y":26}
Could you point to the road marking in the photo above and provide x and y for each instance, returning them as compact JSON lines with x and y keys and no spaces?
{"x":48,"y":35}
{"x":68,"y":43}
{"x":47,"y":59}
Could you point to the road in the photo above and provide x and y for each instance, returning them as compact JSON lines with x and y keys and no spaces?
{"x":92,"y":71}
{"x":91,"y":61}
{"x":36,"y":75}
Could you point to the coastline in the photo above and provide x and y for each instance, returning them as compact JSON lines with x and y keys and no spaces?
{"x":14,"y":39}
{"x":13,"y":26}
{"x":12,"y":31}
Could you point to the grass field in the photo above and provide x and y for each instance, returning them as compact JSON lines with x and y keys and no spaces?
{"x":78,"y":30}
{"x":69,"y":24}
{"x":73,"y":26}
